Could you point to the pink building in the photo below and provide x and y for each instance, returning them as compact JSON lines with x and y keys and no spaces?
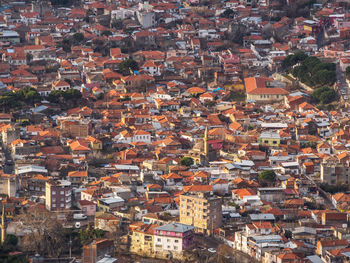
{"x":88,"y":208}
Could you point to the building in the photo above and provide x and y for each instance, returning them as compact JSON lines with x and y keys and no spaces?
{"x":201,"y":210}
{"x":146,"y":19}
{"x":264,"y":90}
{"x":9,"y":36}
{"x":58,"y":195}
{"x":8,"y":185}
{"x":97,"y":250}
{"x":74,"y":127}
{"x":172,"y":239}
{"x":334,"y":173}
{"x":167,"y":241}
{"x":142,"y":240}
{"x":269,"y":139}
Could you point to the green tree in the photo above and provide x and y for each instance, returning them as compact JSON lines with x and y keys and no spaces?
{"x":227,"y":13}
{"x":311,"y":62}
{"x":294,"y":59}
{"x":267,"y":176}
{"x":324,"y":95}
{"x":238,"y":31}
{"x":66,"y":45}
{"x":126,"y":65}
{"x":106,"y":33}
{"x":72,"y":94}
{"x":78,"y":37}
{"x":187,"y":161}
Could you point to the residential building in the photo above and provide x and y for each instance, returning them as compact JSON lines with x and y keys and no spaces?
{"x":58,"y":195}
{"x":201,"y":210}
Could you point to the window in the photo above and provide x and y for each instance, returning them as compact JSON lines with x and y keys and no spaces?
{"x":53,"y":205}
{"x":62,"y":205}
{"x":175,"y":247}
{"x":53,"y":192}
{"x":158,"y":239}
{"x":274,"y":142}
{"x":176,"y":241}
{"x":266,"y":141}
{"x":62,"y":192}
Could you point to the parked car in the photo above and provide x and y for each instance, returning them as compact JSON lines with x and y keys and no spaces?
{"x":79,"y":216}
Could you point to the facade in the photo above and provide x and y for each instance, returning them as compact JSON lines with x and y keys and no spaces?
{"x":168,"y":241}
{"x":58,"y":195}
{"x":97,"y":250}
{"x":335,"y":173}
{"x":172,"y":239}
{"x":202,"y":211}
{"x":8,"y":185}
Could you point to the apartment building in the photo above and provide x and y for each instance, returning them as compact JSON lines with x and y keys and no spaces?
{"x":334,"y":173}
{"x":58,"y":195}
{"x":172,"y":239}
{"x":201,"y":210}
{"x":167,"y":241}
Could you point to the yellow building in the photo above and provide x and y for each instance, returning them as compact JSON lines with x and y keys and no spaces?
{"x":95,"y":144}
{"x":202,"y":211}
{"x":142,"y":240}
{"x":269,"y":139}
{"x":262,"y":89}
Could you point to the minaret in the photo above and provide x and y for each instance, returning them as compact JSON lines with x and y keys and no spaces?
{"x":3,"y":225}
{"x":206,"y":146}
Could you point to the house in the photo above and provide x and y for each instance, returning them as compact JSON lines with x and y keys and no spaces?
{"x":324,"y":245}
{"x":77,"y":177}
{"x":88,"y":208}
{"x":60,"y":85}
{"x":97,"y":250}
{"x":173,"y":239}
{"x":270,"y":139}
{"x":261,"y":89}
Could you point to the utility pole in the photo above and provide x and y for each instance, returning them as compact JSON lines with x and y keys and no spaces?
{"x":70,"y":246}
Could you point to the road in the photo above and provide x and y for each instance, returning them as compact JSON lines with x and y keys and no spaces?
{"x":327,"y":201}
{"x":341,"y":82}
{"x":8,"y":168}
{"x":209,"y":242}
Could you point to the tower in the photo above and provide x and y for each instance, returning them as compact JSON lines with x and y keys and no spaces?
{"x":3,"y":225}
{"x":206,"y":146}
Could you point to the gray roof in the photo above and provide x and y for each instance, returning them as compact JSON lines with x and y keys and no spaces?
{"x":258,"y":217}
{"x":175,"y":227}
{"x":111,"y":200}
{"x":267,"y":238}
{"x":314,"y":259}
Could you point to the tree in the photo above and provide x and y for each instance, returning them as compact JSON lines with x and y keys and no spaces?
{"x":66,"y":45}
{"x":238,"y":31}
{"x":227,"y":13}
{"x":324,"y":95}
{"x":347,"y":72}
{"x":86,"y":236}
{"x":126,"y":65}
{"x":57,"y":96}
{"x":292,"y":60}
{"x":106,"y":33}
{"x":45,"y":234}
{"x":78,"y":37}
{"x":187,"y":161}
{"x":267,"y":176}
